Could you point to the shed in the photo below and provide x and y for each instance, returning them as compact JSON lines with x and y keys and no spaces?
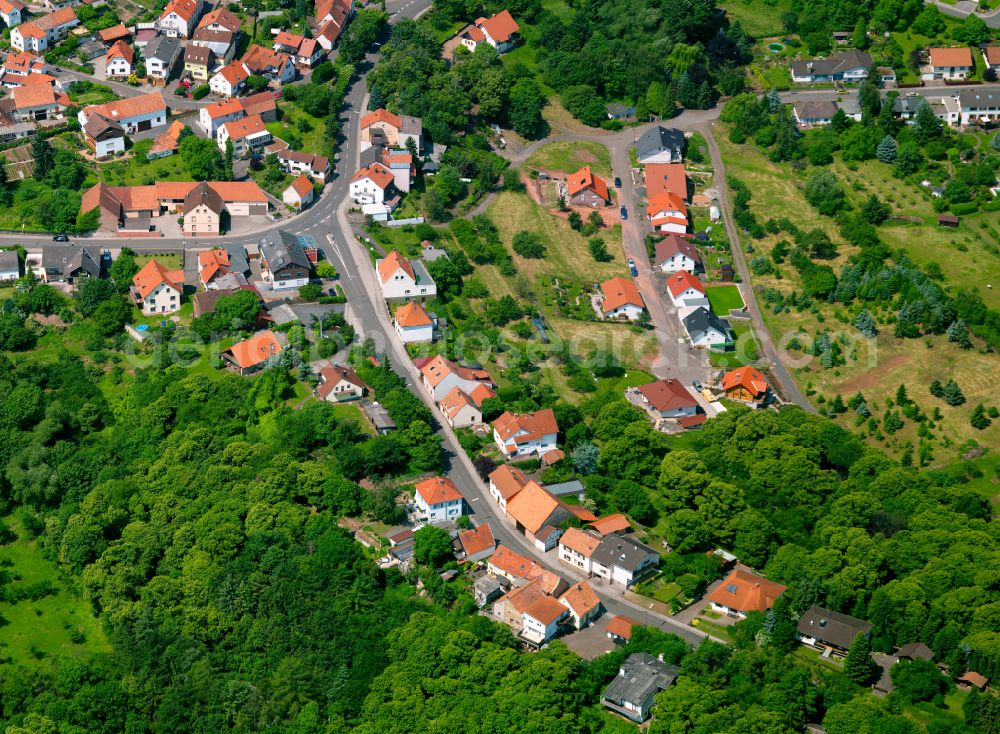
{"x":947,"y":220}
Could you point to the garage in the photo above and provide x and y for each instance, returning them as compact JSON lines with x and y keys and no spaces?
{"x":145,"y":125}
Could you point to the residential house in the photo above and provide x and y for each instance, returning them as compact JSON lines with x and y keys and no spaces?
{"x":161,"y":54}
{"x":68,"y":264}
{"x":972,"y":679}
{"x":40,"y":34}
{"x":915,"y":651}
{"x":401,"y":279}
{"x":378,"y":418}
{"x":619,"y":629}
{"x":381,"y":127}
{"x":248,"y":135}
{"x":499,"y":31}
{"x":11,"y":81}
{"x":10,"y":261}
{"x":615,"y":524}
{"x":198,"y":62}
{"x":37,"y":102}
{"x":459,"y":409}
{"x":978,"y":106}
{"x":991,"y":55}
{"x":11,"y":11}
{"x":620,"y":299}
{"x":299,"y":194}
{"x":220,"y":19}
{"x":256,"y":353}
{"x":284,"y":263}
{"x":527,"y":434}
{"x":373,"y":184}
{"x":537,"y":513}
{"x":742,"y":592}
{"x":157,"y":290}
{"x":668,"y":213}
{"x":668,"y":398}
{"x":584,"y":188}
{"x":440,"y":375}
{"x":180,"y":17}
{"x":486,"y":589}
{"x":509,"y":608}
{"x":633,"y":691}
{"x":666,"y":178}
{"x":166,"y":143}
{"x":846,"y":66}
{"x":674,"y":253}
{"x":331,"y":19}
{"x":541,"y":620}
{"x":24,"y":65}
{"x":262,"y":104}
{"x":105,"y":137}
{"x":211,"y":117}
{"x":202,"y":211}
{"x":824,"y":628}
{"x":705,"y":329}
{"x":230,"y":79}
{"x":505,"y":482}
{"x":222,"y":44}
{"x":478,"y":544}
{"x":622,"y":560}
{"x":277,"y":68}
{"x":576,"y":547}
{"x":660,"y":145}
{"x":814,"y":113}
{"x":400,"y":165}
{"x":134,"y":114}
{"x":412,"y":322}
{"x":517,"y":569}
{"x":118,"y":61}
{"x":686,"y":290}
{"x":316,"y":167}
{"x":338,"y":384}
{"x":951,"y":63}
{"x":616,"y":111}
{"x":438,"y":499}
{"x":110,"y":36}
{"x":746,"y":385}
{"x":304,"y":51}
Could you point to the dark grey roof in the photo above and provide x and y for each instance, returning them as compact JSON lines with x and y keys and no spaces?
{"x":627,"y":553}
{"x":701,"y":320}
{"x":914,"y":650}
{"x":100,"y":127}
{"x":379,"y":416}
{"x":619,"y":110}
{"x":815,"y":110}
{"x":574,"y":486}
{"x":282,"y":251}
{"x":658,"y":139}
{"x":162,"y":47}
{"x":908,"y":105}
{"x":835,"y":64}
{"x":487,"y":585}
{"x":832,"y":627}
{"x":640,"y":676}
{"x":10,"y":260}
{"x":411,"y":125}
{"x":979,"y":98}
{"x":66,"y":259}
{"x":238,"y":261}
{"x":371,"y":154}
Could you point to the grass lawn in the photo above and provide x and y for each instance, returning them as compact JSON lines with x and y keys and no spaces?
{"x":137,"y":171}
{"x":296,"y":123}
{"x":352,"y":412}
{"x":170,"y":260}
{"x":724,"y":298}
{"x":90,"y":93}
{"x":24,"y":639}
{"x":759,"y":18}
{"x":716,"y":630}
{"x":572,"y":156}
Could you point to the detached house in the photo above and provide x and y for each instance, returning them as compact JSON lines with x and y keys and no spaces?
{"x":40,"y":34}
{"x":284,"y":263}
{"x":499,"y":31}
{"x":527,"y":434}
{"x":745,"y":385}
{"x":299,"y":194}
{"x":304,"y":51}
{"x":11,"y":12}
{"x":381,"y":127}
{"x":438,"y":499}
{"x":686,"y":290}
{"x":478,"y":544}
{"x":660,"y":145}
{"x":824,"y":628}
{"x":69,"y":264}
{"x":134,"y":114}
{"x":248,"y":135}
{"x":668,"y":398}
{"x":847,"y":66}
{"x":374,"y":185}
{"x":10,"y":265}
{"x":220,"y":19}
{"x":402,"y":279}
{"x":668,"y":213}
{"x":633,"y":691}
{"x":460,"y":410}
{"x":951,"y":63}
{"x":161,"y":54}
{"x":118,"y":61}
{"x":674,"y":253}
{"x":666,"y":178}
{"x":505,"y":482}
{"x":105,"y":137}
{"x":620,"y":299}
{"x":158,"y":290}
{"x":230,"y":80}
{"x":180,"y":17}
{"x":198,"y":61}
{"x":316,"y":167}
{"x":413,"y":324}
{"x":338,"y":384}
{"x":583,"y":188}
{"x":991,"y":55}
{"x":331,"y":19}
{"x":742,"y":592}
{"x":977,"y":106}
{"x":814,"y":113}
{"x":440,"y":375}
{"x":705,"y":329}
{"x":255,"y":353}
{"x":278,"y":68}
{"x":622,"y":560}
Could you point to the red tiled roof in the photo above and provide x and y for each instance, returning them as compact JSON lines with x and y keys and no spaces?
{"x":609,"y":524}
{"x":452,"y":403}
{"x":120,"y":49}
{"x":579,"y":540}
{"x":34,"y":95}
{"x":746,"y":592}
{"x":477,"y":540}
{"x":301,"y":185}
{"x":376,"y":173}
{"x":673,"y":244}
{"x":184,"y":8}
{"x":664,"y":178}
{"x":517,"y":566}
{"x":961,"y":56}
{"x":620,"y":292}
{"x":665,"y":202}
{"x":113,"y":33}
{"x":380,"y":115}
{"x":534,"y":425}
{"x":509,"y":480}
{"x":585,"y":179}
{"x":480,"y":393}
{"x":224,"y":108}
{"x":621,"y":627}
{"x":992,"y":55}
{"x":667,"y":395}
{"x":580,"y":598}
{"x":681,"y":281}
{"x":437,"y":368}
{"x":546,"y":610}
{"x":437,"y":490}
{"x":331,"y":375}
{"x":234,"y":73}
{"x":123,"y":109}
{"x":392,"y":262}
{"x":746,"y":377}
{"x":153,"y":274}
{"x":255,"y":350}
{"x":412,"y":314}
{"x":532,"y":507}
{"x":245,"y":127}
{"x":212,"y":263}
{"x":223,"y":17}
{"x":500,"y":27}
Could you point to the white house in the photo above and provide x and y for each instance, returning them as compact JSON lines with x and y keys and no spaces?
{"x":660,"y":145}
{"x":401,"y":279}
{"x":576,"y":546}
{"x":248,"y":135}
{"x":814,"y":113}
{"x":981,"y":104}
{"x":505,"y":482}
{"x":705,"y":329}
{"x":620,"y":299}
{"x":211,"y":117}
{"x":11,"y":12}
{"x":438,"y":499}
{"x":299,"y":194}
{"x":284,"y":261}
{"x":847,"y":66}
{"x":158,"y":290}
{"x":372,"y":184}
{"x":41,"y":33}
{"x":338,"y":383}
{"x":499,"y":31}
{"x":583,"y":604}
{"x":675,"y":253}
{"x":161,"y":56}
{"x":106,"y":137}
{"x":622,"y":560}
{"x":440,"y":375}
{"x":230,"y":79}
{"x":540,"y":620}
{"x":951,"y":63}
{"x":134,"y":114}
{"x":742,"y":592}
{"x":668,"y":213}
{"x":10,"y":265}
{"x":525,"y":434}
{"x":459,"y":409}
{"x":118,"y":60}
{"x":686,"y":290}
{"x":412,"y":322}
{"x":316,"y":167}
{"x":180,"y":17}
{"x":991,"y":55}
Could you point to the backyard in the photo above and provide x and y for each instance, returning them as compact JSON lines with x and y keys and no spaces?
{"x":724,"y":298}
{"x":570,"y":157}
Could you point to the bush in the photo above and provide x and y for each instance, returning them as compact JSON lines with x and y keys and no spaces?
{"x":200,"y":91}
{"x":966,"y":207}
{"x":529,"y":245}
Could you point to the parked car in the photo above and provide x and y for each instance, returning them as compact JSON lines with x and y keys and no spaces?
{"x":624,"y":213}
{"x":632,"y":268}
{"x":618,"y":183}
{"x":61,"y":237}
{"x":697,"y":385}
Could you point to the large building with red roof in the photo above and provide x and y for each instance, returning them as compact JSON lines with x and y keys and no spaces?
{"x":438,"y":499}
{"x":525,"y":434}
{"x":585,"y":188}
{"x":499,"y":31}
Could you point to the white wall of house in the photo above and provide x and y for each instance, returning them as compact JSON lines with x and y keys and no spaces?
{"x":627,"y":311}
{"x":401,"y":286}
{"x":415,"y":334}
{"x":537,"y":446}
{"x":291,"y":198}
{"x":211,"y":125}
{"x":678,"y":261}
{"x":439,"y":512}
{"x":536,"y":631}
{"x":106,"y":148}
{"x":365,"y":191}
{"x":709,"y":338}
{"x":688,"y":297}
{"x":162,"y":299}
{"x":574,"y":558}
{"x":467,"y":416}
{"x":117,"y":67}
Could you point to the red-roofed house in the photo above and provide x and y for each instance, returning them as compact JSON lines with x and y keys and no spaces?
{"x":586,"y":189}
{"x":391,"y":131}
{"x":413,"y":324}
{"x":11,"y":12}
{"x":459,"y":409}
{"x":991,"y":55}
{"x":951,"y":63}
{"x":499,"y":31}
{"x":438,"y":499}
{"x":583,"y":603}
{"x":667,"y":399}
{"x":478,"y":544}
{"x":611,"y":525}
{"x":373,"y":184}
{"x":620,"y":629}
{"x":541,"y":619}
{"x":304,"y":51}
{"x":742,"y":592}
{"x":538,"y":514}
{"x":250,"y":355}
{"x":156,"y":289}
{"x":667,"y":213}
{"x":440,"y":375}
{"x":686,"y":290}
{"x":180,"y":17}
{"x":276,"y":67}
{"x":230,"y":79}
{"x":675,"y":253}
{"x":576,"y":546}
{"x":527,"y":434}
{"x":505,"y":482}
{"x":299,"y":194}
{"x":39,"y":34}
{"x":746,"y":385}
{"x":620,"y":299}
{"x":118,"y":60}
{"x":249,"y":135}
{"x":664,"y":178}
{"x":401,"y":279}
{"x":516,"y":568}
{"x":338,"y":383}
